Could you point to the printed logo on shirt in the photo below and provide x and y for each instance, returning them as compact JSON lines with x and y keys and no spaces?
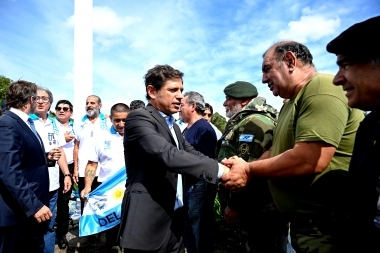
{"x":107,"y":145}
{"x":52,"y":140}
{"x":246,"y":137}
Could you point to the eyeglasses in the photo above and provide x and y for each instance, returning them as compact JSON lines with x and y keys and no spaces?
{"x":65,"y":109}
{"x":43,"y":99}
{"x":207,"y":114}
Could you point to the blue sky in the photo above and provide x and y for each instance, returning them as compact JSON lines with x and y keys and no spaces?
{"x":214,"y":42}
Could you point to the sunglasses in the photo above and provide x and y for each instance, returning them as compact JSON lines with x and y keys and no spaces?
{"x":65,"y":109}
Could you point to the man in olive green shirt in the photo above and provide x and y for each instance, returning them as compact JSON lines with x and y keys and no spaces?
{"x":312,"y":147}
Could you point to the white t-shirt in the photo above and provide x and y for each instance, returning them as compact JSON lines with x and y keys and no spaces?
{"x":218,"y":133}
{"x":51,"y":138}
{"x":108,"y":152}
{"x":68,"y":147}
{"x":84,"y":132}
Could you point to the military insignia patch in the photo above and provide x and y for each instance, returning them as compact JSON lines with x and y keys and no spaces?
{"x":243,"y":149}
{"x":246,"y":137}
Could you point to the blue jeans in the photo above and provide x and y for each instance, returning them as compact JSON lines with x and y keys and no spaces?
{"x":49,"y":236}
{"x":199,"y":218}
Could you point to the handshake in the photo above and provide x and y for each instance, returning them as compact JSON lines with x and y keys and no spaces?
{"x":236,"y":173}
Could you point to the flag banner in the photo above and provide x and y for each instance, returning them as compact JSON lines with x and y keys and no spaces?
{"x":102,"y":209}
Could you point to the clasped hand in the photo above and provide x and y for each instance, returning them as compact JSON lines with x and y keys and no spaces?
{"x":239,"y":174}
{"x":54,"y":154}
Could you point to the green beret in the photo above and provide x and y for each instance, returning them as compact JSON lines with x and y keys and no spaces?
{"x":241,"y":89}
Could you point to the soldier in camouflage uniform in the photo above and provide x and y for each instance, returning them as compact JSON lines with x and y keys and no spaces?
{"x":248,"y":134}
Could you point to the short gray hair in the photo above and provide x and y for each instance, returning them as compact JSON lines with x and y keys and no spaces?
{"x":47,"y":91}
{"x":194,"y":97}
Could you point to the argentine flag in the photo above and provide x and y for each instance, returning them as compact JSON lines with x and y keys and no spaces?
{"x":102,"y":209}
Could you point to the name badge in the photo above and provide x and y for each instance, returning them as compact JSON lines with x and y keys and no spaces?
{"x":246,"y":137}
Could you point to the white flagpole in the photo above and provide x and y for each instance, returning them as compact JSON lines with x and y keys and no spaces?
{"x":83,"y":51}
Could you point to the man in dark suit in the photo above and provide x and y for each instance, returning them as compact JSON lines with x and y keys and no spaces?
{"x":156,"y":156}
{"x":24,"y":179}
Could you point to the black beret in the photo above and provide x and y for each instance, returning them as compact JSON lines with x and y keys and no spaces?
{"x":361,"y":39}
{"x":241,"y":89}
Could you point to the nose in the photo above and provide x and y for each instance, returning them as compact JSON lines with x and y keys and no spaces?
{"x":339,"y":78}
{"x":265,"y":78}
{"x":225,"y":103}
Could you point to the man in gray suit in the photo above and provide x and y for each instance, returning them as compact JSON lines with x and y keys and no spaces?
{"x":156,"y":156}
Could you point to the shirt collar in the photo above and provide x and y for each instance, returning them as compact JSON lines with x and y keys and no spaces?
{"x":168,"y":118}
{"x":101,"y":116}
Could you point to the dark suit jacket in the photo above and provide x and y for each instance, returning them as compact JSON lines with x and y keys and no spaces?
{"x":24,"y":179}
{"x":153,"y":163}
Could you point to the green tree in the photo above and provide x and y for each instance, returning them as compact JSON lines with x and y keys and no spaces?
{"x":219,"y":121}
{"x":4,"y":83}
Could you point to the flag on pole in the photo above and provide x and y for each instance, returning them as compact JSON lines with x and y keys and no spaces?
{"x":102,"y":209}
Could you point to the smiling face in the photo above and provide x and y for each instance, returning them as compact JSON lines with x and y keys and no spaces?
{"x":92,"y":106}
{"x":118,"y":121}
{"x":361,"y":81}
{"x":232,"y":106}
{"x":168,"y":98}
{"x":275,"y":74}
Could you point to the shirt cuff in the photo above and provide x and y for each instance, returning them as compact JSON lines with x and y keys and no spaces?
{"x":221,"y":170}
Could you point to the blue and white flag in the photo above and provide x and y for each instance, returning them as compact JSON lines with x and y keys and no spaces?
{"x":102,"y":209}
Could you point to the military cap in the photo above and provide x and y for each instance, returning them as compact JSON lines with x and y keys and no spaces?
{"x":361,"y":39}
{"x":241,"y":89}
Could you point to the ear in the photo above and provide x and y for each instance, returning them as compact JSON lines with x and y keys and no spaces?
{"x":245,"y":102}
{"x":290,"y":60}
{"x":193,"y":107}
{"x":151,"y":91}
{"x":100,"y":106}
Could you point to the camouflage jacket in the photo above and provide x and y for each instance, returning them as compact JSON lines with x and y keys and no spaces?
{"x":248,"y":134}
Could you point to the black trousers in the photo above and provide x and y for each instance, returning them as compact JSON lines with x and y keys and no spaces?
{"x":63,"y":216}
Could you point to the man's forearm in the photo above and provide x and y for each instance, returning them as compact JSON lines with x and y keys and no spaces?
{"x":90,"y":174}
{"x":304,"y":159}
{"x":62,"y":162}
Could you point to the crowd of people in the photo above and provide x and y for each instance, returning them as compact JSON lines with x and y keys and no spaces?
{"x":305,"y":179}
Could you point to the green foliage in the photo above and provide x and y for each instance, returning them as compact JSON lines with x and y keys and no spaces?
{"x":219,"y":121}
{"x":4,"y":83}
{"x":52,"y":114}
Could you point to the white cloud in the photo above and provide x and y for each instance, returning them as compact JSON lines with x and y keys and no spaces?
{"x":107,"y":23}
{"x":310,"y":28}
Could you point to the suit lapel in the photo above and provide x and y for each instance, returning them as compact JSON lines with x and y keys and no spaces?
{"x":27,"y":129}
{"x":153,"y":111}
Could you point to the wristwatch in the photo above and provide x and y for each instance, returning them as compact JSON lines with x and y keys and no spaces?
{"x":67,"y":175}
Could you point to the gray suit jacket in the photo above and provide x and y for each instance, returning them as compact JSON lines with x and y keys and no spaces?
{"x":153,"y":163}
